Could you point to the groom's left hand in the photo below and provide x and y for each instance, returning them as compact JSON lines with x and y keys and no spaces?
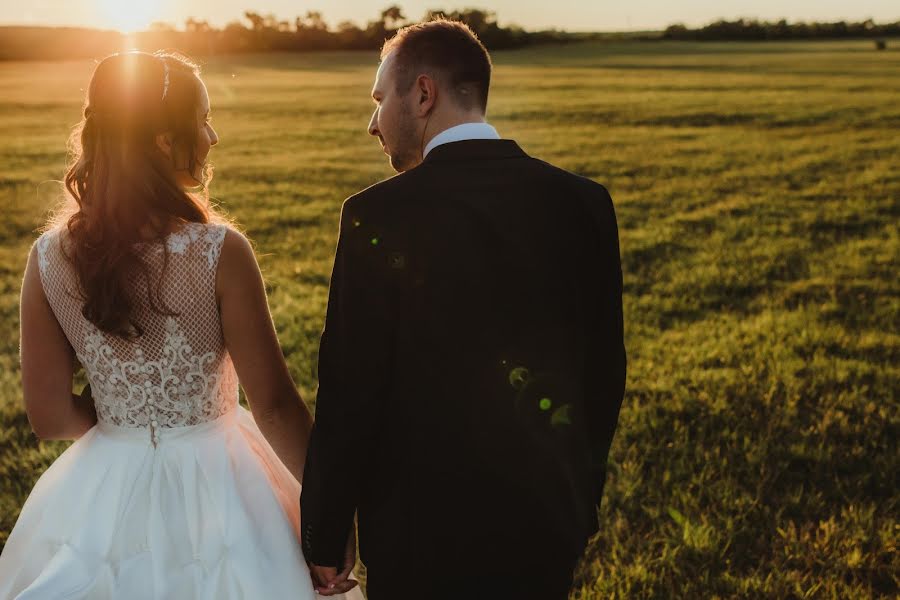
{"x":328,"y":581}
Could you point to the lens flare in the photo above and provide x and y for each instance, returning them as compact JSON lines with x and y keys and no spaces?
{"x":518,"y":377}
{"x":129,"y":17}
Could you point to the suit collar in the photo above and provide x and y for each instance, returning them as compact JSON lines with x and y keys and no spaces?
{"x":474,"y":150}
{"x":463,"y":131}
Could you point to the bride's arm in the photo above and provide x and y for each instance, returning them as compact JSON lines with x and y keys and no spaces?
{"x":253,"y":345}
{"x":47,"y":360}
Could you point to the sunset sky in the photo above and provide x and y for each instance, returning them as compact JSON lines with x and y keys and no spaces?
{"x":575,"y":15}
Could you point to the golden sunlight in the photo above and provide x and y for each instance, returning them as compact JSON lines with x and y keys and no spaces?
{"x":129,"y":17}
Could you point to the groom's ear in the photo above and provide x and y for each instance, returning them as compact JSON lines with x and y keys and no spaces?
{"x":426,"y":94}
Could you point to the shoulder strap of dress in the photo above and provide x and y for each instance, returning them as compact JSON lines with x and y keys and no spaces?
{"x":43,"y":250}
{"x":212,"y":240}
{"x":203,"y":239}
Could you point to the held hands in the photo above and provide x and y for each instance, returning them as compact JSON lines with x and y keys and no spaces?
{"x":327,"y":581}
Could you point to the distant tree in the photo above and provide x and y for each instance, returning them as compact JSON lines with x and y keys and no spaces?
{"x":392,"y":17}
{"x":236,"y":37}
{"x":484,"y":24}
{"x":747,"y":29}
{"x":270,"y":21}
{"x":256,"y":21}
{"x":479,"y":20}
{"x":266,"y":32}
{"x":780,"y":30}
{"x":678,"y":31}
{"x":160,"y":26}
{"x":193,"y":25}
{"x":313,"y":20}
{"x":350,"y":36}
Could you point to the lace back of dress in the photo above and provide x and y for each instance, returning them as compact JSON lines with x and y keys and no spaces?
{"x":178,"y":372}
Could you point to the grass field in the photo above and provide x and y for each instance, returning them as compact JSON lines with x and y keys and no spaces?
{"x":758,"y":193}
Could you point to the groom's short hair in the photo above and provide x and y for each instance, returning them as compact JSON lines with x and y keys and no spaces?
{"x":447,"y":47}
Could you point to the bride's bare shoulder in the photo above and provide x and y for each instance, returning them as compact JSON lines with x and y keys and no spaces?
{"x":237,"y":259}
{"x":235,"y":245}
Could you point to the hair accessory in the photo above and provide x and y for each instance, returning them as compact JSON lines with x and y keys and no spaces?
{"x":165,"y":79}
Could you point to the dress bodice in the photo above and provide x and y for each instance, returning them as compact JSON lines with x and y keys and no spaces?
{"x":178,"y":373}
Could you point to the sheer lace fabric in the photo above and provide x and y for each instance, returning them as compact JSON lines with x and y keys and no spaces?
{"x":178,"y":373}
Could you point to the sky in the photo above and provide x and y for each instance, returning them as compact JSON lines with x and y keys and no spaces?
{"x":572,"y":15}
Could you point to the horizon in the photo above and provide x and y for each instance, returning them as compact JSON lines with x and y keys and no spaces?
{"x":569,"y":15}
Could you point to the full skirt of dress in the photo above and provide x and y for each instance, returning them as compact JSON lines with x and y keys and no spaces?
{"x":209,"y":512}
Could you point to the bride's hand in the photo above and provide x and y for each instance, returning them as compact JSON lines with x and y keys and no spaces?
{"x":327,"y":581}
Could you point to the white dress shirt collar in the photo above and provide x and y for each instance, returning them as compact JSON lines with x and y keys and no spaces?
{"x":458,"y":133}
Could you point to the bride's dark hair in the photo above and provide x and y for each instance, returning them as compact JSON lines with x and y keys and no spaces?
{"x":122,"y":189}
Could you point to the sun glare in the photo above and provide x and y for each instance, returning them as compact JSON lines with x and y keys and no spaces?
{"x":129,"y":17}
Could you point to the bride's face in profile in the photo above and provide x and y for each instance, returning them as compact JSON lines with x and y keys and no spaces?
{"x":206,"y":139}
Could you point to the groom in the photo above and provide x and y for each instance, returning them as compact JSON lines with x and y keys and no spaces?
{"x":472,"y":365}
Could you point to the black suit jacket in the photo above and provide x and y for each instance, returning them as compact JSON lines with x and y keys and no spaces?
{"x":471,"y":368}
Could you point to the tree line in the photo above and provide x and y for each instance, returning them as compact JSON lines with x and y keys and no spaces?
{"x":259,"y":33}
{"x":749,"y":29}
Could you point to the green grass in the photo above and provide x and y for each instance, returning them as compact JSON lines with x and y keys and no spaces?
{"x":757,"y":190}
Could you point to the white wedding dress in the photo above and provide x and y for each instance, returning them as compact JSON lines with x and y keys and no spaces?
{"x":174,"y":494}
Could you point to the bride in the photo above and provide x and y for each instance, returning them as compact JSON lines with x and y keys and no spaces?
{"x":172,"y":489}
